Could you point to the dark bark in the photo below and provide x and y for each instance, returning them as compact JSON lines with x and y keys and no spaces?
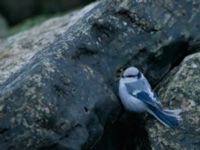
{"x":67,"y":94}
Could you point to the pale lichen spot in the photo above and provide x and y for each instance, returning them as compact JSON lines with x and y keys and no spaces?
{"x":88,"y":69}
{"x":19,"y":118}
{"x":97,"y":43}
{"x":193,"y":118}
{"x":142,"y":1}
{"x":30,"y":91}
{"x":46,"y":110}
{"x":38,"y":79}
{"x":99,"y":39}
{"x":13,"y":120}
{"x":25,"y":123}
{"x":1,"y":107}
{"x":59,"y":54}
{"x":188,"y":105}
{"x":194,"y":65}
{"x":49,"y":66}
{"x":124,"y":23}
{"x":124,"y":4}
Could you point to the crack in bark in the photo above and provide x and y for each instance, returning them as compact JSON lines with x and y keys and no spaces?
{"x":84,"y":51}
{"x":139,"y":21}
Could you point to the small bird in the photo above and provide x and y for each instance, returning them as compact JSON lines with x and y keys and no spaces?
{"x":137,"y":95}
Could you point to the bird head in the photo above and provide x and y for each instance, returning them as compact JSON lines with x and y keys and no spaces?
{"x":131,"y":72}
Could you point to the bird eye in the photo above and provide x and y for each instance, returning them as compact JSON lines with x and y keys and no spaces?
{"x":131,"y":76}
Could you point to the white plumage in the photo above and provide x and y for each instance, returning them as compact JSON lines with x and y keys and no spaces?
{"x":136,"y":95}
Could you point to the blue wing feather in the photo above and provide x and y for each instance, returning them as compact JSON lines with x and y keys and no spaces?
{"x":143,"y":96}
{"x":164,"y":117}
{"x":142,"y":90}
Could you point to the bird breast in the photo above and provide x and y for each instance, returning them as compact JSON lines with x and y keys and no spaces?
{"x":130,"y":102}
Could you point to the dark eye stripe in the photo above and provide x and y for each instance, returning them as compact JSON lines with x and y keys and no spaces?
{"x":133,"y":76}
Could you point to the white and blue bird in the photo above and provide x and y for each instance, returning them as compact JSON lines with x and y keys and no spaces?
{"x":137,"y":95}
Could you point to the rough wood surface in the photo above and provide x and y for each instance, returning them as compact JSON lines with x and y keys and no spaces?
{"x":64,"y":96}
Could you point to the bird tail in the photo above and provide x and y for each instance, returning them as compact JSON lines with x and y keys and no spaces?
{"x":169,"y":118}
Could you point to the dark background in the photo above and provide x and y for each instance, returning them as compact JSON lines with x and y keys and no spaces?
{"x":16,"y":11}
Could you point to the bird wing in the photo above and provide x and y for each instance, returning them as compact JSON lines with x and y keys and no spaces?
{"x":135,"y":86}
{"x":141,"y":91}
{"x":144,"y":97}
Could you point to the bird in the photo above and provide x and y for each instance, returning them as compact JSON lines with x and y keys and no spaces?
{"x":137,"y":95}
